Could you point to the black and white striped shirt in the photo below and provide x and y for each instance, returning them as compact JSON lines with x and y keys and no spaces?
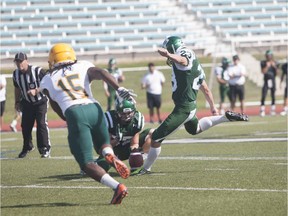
{"x":29,"y":80}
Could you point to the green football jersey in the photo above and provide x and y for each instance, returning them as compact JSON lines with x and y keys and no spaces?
{"x":124,"y":132}
{"x":186,"y":80}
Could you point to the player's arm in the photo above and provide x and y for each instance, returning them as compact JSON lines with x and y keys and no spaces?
{"x":17,"y":95}
{"x":134,"y":144}
{"x":264,"y":66}
{"x":220,"y":80}
{"x":54,"y":105}
{"x":95,"y":73}
{"x":113,"y":140}
{"x":209,"y":97}
{"x":173,"y":57}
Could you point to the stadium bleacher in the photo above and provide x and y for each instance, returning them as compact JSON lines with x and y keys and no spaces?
{"x":136,"y":25}
{"x":242,"y":21}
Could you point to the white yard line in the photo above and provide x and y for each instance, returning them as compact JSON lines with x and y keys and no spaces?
{"x":198,"y":158}
{"x":234,"y":140}
{"x":145,"y":188}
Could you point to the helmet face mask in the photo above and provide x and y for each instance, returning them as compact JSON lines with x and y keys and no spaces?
{"x":172,"y":44}
{"x":125,"y":110}
{"x":61,"y":54}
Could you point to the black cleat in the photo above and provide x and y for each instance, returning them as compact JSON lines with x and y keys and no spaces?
{"x":23,"y":153}
{"x":141,"y":171}
{"x":232,"y":116}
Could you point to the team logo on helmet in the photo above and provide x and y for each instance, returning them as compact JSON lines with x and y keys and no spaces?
{"x":173,"y":43}
{"x":125,"y":109}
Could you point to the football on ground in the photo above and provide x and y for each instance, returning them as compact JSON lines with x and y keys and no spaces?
{"x":135,"y":160}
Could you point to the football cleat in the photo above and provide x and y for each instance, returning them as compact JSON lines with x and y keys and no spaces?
{"x":120,"y":192}
{"x":119,"y":166}
{"x":232,"y":116}
{"x":142,"y":171}
{"x":23,"y":153}
{"x":134,"y":172}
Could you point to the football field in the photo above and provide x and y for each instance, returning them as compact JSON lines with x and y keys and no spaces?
{"x":236,"y":168}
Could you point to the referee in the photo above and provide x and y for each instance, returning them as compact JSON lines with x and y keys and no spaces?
{"x":33,"y":104}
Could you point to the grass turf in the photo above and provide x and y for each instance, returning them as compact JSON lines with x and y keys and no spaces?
{"x":200,"y":177}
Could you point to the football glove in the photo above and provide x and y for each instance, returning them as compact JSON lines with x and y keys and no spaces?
{"x":126,"y":94}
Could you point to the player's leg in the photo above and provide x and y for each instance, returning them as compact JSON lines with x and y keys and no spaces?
{"x":79,"y":123}
{"x":28,"y":119}
{"x":263,"y":96}
{"x":150,"y":107}
{"x":241,"y":94}
{"x":101,"y":140}
{"x":145,"y":140}
{"x":223,"y":92}
{"x":273,"y":107}
{"x":233,"y":97}
{"x":2,"y":109}
{"x":171,"y":124}
{"x":42,"y":133}
{"x":285,"y":103}
{"x":157,"y":103}
{"x":196,"y":126}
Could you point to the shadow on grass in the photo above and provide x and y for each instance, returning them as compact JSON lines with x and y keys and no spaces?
{"x":75,"y":176}
{"x":40,"y":205}
{"x":64,"y":177}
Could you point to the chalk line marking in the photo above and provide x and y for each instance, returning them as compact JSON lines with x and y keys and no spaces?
{"x":145,"y":188}
{"x":193,"y":140}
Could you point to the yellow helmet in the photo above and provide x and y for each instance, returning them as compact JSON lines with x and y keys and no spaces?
{"x":61,"y":53}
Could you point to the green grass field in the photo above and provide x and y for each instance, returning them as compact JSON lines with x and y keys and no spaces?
{"x":232,"y":169}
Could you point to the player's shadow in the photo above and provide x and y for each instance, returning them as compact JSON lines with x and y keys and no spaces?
{"x":41,"y":205}
{"x":74,"y":176}
{"x":64,"y":177}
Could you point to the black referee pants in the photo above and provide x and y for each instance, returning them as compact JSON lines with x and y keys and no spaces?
{"x":30,"y":113}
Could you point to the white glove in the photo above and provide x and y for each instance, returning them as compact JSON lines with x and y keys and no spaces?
{"x":126,"y":94}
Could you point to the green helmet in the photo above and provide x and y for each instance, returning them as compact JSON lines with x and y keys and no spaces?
{"x":112,"y":61}
{"x":125,"y":109}
{"x":172,"y":43}
{"x":225,"y":62}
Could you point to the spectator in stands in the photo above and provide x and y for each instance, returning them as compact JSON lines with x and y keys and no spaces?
{"x":269,"y":68}
{"x":153,"y":82}
{"x":222,"y":77}
{"x":119,"y":77}
{"x":2,"y":98}
{"x":237,"y":78}
{"x":32,"y":103}
{"x":284,"y":74}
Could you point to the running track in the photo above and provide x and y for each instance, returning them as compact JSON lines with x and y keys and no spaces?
{"x":250,"y":111}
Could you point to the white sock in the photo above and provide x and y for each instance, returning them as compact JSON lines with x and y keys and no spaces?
{"x":107,"y":150}
{"x":109,"y":181}
{"x":144,"y":156}
{"x":208,"y":122}
{"x":151,"y":158}
{"x":262,"y":109}
{"x":14,"y":123}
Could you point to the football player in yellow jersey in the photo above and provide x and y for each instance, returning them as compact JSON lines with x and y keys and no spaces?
{"x":68,"y":88}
